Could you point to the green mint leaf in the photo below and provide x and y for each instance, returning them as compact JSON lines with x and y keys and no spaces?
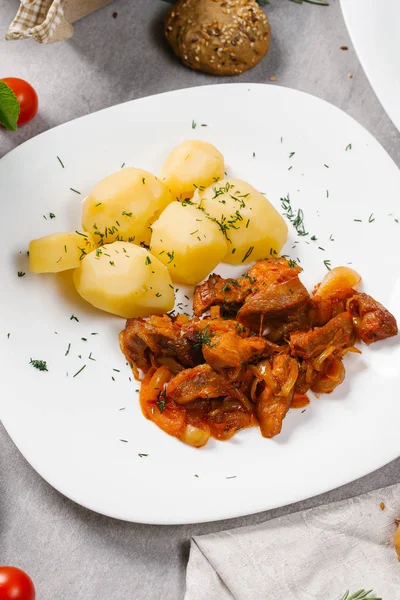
{"x":9,"y":107}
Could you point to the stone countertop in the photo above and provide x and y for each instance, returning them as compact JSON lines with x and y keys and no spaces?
{"x":69,"y":551}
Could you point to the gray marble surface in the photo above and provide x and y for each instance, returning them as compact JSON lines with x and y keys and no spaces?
{"x":69,"y":551}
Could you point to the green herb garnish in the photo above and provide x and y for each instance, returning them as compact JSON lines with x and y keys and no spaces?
{"x":9,"y":107}
{"x":80,"y":370}
{"x":204,"y":338}
{"x":249,"y":251}
{"x":360,"y":595}
{"x":296,"y":218}
{"x":41,"y":365}
{"x":161,"y":400}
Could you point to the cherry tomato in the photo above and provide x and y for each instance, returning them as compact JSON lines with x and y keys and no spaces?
{"x":26,"y":96}
{"x":15,"y":585}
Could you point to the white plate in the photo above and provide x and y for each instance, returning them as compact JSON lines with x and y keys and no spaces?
{"x":375,"y":30}
{"x":69,"y":428}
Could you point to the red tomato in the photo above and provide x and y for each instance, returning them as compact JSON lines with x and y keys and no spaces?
{"x":15,"y":585}
{"x":26,"y":96}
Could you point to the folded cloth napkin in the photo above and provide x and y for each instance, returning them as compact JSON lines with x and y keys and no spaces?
{"x":310,"y":555}
{"x":48,"y":21}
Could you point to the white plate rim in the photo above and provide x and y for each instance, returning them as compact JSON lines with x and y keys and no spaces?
{"x":257,"y":507}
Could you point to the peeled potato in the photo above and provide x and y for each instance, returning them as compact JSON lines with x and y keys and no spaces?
{"x":187,"y":242}
{"x":124,"y":205}
{"x":191,"y":165}
{"x":59,"y":251}
{"x":339,"y":278}
{"x":125,"y":280}
{"x":253,"y":227}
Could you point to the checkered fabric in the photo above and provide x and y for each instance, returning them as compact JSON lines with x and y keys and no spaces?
{"x":42,"y":20}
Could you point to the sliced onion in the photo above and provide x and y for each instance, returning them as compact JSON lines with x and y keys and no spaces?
{"x":245,"y":402}
{"x":346,"y":350}
{"x":253,"y":389}
{"x":335,"y":370}
{"x":338,"y":279}
{"x":291,"y":380}
{"x":318,"y":362}
{"x":263,"y":371}
{"x":194,"y":436}
{"x":154,"y":383}
{"x":331,"y":378}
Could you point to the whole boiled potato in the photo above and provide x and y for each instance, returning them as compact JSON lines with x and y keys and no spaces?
{"x":123,"y":206}
{"x":59,"y":251}
{"x":222,"y":37}
{"x":253,"y":227}
{"x":125,"y":280}
{"x":187,"y":242}
{"x":192,"y":165}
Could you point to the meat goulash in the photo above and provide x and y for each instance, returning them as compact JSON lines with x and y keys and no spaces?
{"x":254,"y":348}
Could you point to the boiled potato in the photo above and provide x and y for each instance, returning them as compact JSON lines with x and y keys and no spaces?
{"x":125,"y":280}
{"x":59,"y":251}
{"x":124,"y":205}
{"x":192,"y":165}
{"x":253,"y":227}
{"x":187,"y":242}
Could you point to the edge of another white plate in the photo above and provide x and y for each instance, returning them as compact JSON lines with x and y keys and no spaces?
{"x":385,"y":87}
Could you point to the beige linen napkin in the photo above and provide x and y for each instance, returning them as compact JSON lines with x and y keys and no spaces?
{"x":316,"y":554}
{"x":48,"y":21}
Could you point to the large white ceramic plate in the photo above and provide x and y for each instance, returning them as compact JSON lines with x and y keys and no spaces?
{"x":69,"y":428}
{"x":375,"y":30}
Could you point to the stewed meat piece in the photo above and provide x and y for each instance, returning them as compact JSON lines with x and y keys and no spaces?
{"x":157,"y":336}
{"x":274,"y":401}
{"x":373,"y":321}
{"x":323,"y":309}
{"x":278,"y":294}
{"x":338,"y":332}
{"x":216,"y":291}
{"x":228,"y":350}
{"x":203,"y":382}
